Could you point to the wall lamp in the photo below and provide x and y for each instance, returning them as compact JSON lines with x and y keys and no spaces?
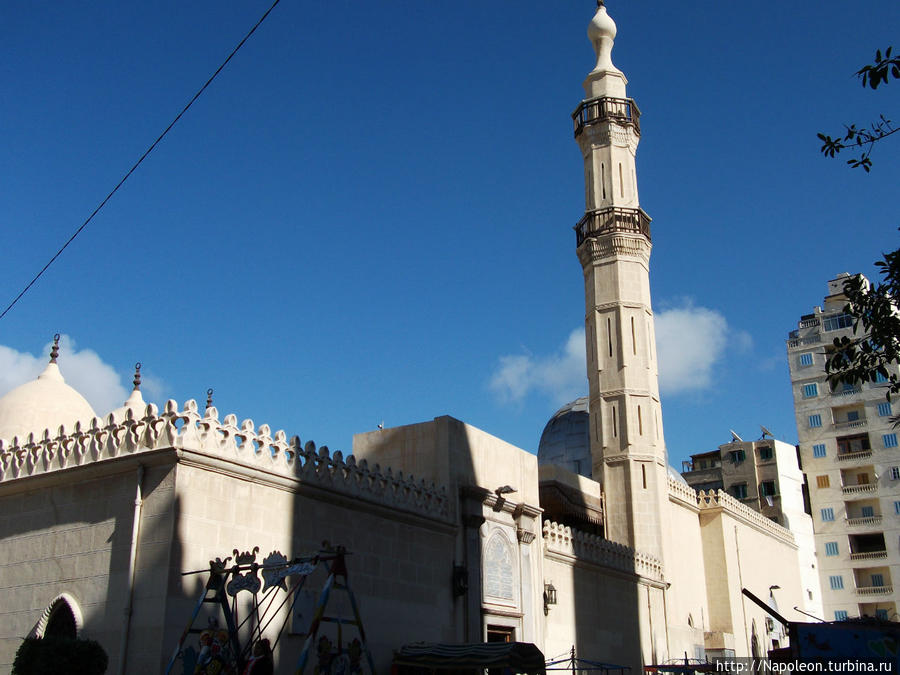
{"x":549,"y":597}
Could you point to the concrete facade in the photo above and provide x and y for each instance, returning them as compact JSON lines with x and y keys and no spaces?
{"x":849,"y":450}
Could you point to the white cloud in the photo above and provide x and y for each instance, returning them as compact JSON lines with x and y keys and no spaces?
{"x":83,"y":370}
{"x":559,"y":376}
{"x":690,"y":341}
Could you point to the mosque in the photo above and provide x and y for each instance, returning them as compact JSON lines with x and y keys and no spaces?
{"x":454,"y":535}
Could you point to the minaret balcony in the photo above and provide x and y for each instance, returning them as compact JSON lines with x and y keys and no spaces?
{"x":607,"y":109}
{"x":610,"y":220}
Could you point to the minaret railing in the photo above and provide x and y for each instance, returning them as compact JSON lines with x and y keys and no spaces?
{"x":606,"y":109}
{"x":612,"y":219}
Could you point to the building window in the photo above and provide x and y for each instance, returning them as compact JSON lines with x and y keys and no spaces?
{"x":880,"y":378}
{"x":806,"y":359}
{"x":889,"y":440}
{"x":897,"y":508}
{"x":884,"y":409}
{"x":831,"y":548}
{"x":853,"y":415}
{"x":836,"y":581}
{"x":739,"y":490}
{"x":840,"y":615}
{"x":837,"y":322}
{"x":815,"y":421}
{"x":868,"y":511}
{"x":765,"y":452}
{"x":810,"y":390}
{"x":895,"y":473}
{"x":767,"y":488}
{"x":827,"y":514}
{"x":878,"y":580}
{"x":822,"y":481}
{"x":819,"y":450}
{"x":737,"y":456}
{"x":881,"y":614}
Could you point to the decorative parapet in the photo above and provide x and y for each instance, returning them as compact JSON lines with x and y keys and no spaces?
{"x":592,"y":548}
{"x":721,"y":499}
{"x":682,"y":491}
{"x":243,"y":445}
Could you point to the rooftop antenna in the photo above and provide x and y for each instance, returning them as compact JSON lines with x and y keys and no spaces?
{"x":735,"y":437}
{"x":765,"y":432}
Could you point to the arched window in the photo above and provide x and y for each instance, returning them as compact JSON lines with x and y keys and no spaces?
{"x":62,"y":618}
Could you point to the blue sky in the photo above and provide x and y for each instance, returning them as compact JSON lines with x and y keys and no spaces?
{"x":368,"y":216}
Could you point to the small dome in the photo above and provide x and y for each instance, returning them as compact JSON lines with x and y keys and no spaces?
{"x":44,"y":403}
{"x":565,"y":441}
{"x":135,"y":402}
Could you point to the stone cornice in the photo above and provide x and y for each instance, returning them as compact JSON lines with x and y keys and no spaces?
{"x":573,"y":544}
{"x":241,"y":450}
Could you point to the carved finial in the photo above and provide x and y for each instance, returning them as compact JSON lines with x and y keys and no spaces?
{"x":209,"y":393}
{"x":600,"y":3}
{"x":137,"y":377}
{"x":54,"y":350}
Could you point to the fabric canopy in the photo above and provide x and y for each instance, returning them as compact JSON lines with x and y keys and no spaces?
{"x":522,"y":657}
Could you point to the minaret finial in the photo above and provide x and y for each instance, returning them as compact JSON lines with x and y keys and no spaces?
{"x":54,"y":350}
{"x":209,"y":393}
{"x":137,"y":377}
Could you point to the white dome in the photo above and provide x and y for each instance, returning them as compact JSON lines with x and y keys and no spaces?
{"x":44,"y":403}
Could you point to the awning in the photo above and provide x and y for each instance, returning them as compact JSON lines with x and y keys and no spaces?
{"x":522,"y":657}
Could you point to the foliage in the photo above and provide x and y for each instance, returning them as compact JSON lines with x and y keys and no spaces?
{"x":53,"y":655}
{"x":876,"y":322}
{"x":864,"y":139}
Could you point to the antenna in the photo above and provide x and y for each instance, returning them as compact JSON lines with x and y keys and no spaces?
{"x":765,"y":432}
{"x":735,"y":437}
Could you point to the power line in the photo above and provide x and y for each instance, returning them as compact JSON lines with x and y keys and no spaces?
{"x":138,"y":163}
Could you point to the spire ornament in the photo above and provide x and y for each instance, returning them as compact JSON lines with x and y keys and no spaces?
{"x":54,"y":350}
{"x":209,"y":393}
{"x":137,"y":377}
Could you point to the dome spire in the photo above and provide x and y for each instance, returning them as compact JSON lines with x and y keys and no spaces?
{"x":605,"y":79}
{"x":137,"y":377}
{"x":209,"y":393}
{"x":54,"y":350}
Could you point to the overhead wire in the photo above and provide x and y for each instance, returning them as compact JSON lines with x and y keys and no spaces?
{"x":138,"y":163}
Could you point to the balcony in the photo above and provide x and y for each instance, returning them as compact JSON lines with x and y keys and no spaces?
{"x":850,"y":456}
{"x":808,"y":340}
{"x":874,"y":590}
{"x":864,"y":521}
{"x":809,"y":323}
{"x":610,"y":220}
{"x":871,"y":555}
{"x":852,"y":424}
{"x":859,"y":489}
{"x":607,"y":109}
{"x":847,"y":392}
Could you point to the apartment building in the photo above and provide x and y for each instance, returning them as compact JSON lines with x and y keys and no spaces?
{"x":849,"y":451}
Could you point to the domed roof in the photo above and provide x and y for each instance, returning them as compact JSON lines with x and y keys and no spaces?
{"x":44,"y":403}
{"x":566,"y":440}
{"x":135,"y":402}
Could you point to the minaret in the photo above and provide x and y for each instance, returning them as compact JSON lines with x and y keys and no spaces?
{"x":613,"y":244}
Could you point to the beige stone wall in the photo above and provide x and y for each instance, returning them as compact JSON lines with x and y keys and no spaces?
{"x":400,"y":564}
{"x":71,"y":533}
{"x":742,"y":549}
{"x":685,"y":570}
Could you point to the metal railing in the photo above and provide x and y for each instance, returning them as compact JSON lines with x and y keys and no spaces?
{"x":607,"y":109}
{"x":871,"y":555}
{"x":808,"y":323}
{"x":847,"y":392}
{"x":865,"y":520}
{"x":808,"y":340}
{"x":612,"y":219}
{"x":849,"y":456}
{"x":874,"y":590}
